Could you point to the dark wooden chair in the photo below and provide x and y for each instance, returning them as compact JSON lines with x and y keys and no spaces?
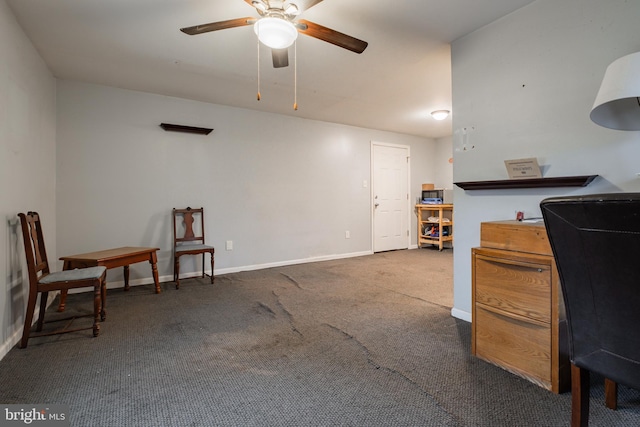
{"x":189,"y":240}
{"x":42,"y":281}
{"x":596,"y":241}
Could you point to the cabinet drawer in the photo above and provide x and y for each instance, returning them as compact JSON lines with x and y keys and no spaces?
{"x":515,"y":236}
{"x":516,"y":287}
{"x":515,"y":345}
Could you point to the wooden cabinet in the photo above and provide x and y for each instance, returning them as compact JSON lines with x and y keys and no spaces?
{"x":518,"y":314}
{"x":435,"y":224}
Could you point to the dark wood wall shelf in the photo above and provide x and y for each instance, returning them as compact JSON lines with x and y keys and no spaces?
{"x":186,"y":129}
{"x":503,"y":184}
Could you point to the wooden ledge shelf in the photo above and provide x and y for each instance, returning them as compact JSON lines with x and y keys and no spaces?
{"x":503,"y":184}
{"x":186,"y":129}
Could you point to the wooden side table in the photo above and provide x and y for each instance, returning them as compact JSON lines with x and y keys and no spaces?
{"x":112,"y":258}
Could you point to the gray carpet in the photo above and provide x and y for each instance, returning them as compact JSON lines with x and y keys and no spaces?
{"x":366,"y":341}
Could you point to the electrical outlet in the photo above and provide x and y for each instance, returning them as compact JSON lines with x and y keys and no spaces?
{"x":229,"y":245}
{"x":347,"y":234}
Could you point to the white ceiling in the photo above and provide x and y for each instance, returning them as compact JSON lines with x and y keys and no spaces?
{"x":404,"y":73}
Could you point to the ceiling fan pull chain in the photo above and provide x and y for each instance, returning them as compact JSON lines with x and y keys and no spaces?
{"x":295,"y":76}
{"x":258,"y":41}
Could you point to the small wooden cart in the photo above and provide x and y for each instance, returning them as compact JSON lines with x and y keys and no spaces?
{"x":435,"y":224}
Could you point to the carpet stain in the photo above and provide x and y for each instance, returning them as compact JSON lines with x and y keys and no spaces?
{"x":287,"y":314}
{"x":294,"y":281}
{"x":262,"y":308}
{"x":387,"y":369}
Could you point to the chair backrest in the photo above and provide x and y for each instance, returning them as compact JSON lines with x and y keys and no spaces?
{"x":34,"y":248}
{"x":188,"y":225}
{"x":596,"y":244}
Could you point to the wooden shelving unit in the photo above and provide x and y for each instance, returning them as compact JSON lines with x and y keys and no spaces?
{"x":433,"y":229}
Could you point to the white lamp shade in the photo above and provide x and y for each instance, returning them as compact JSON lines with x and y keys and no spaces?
{"x":276,"y":33}
{"x":617,"y":105}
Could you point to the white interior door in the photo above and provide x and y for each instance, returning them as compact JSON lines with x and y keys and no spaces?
{"x":390,"y":165}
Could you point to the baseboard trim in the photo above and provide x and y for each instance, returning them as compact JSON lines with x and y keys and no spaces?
{"x":228,"y":270}
{"x":16,"y":336}
{"x":291,"y":262}
{"x":10,"y":343}
{"x":462,"y":315}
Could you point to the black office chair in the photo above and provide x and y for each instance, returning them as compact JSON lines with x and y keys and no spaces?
{"x":596,"y":244}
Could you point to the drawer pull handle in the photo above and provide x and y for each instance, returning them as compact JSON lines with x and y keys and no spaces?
{"x":539,"y":270}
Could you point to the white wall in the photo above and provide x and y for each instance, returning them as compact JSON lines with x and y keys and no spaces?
{"x":282,"y":189}
{"x":443,"y":161}
{"x":27,"y":165}
{"x":526,"y":84}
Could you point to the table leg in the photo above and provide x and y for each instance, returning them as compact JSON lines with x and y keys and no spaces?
{"x":97,"y":309}
{"x":153,"y":260}
{"x":126,"y":277}
{"x":103,"y":299}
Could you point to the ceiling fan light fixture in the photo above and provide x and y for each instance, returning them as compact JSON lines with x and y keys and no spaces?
{"x":258,"y":4}
{"x":291,"y":9}
{"x":276,"y":33}
{"x":440,"y":114}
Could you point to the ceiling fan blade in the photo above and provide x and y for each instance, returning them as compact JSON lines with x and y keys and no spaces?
{"x":331,"y":36}
{"x":215,"y":26}
{"x":280,"y":57}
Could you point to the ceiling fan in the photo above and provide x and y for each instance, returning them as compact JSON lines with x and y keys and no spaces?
{"x":278,"y":28}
